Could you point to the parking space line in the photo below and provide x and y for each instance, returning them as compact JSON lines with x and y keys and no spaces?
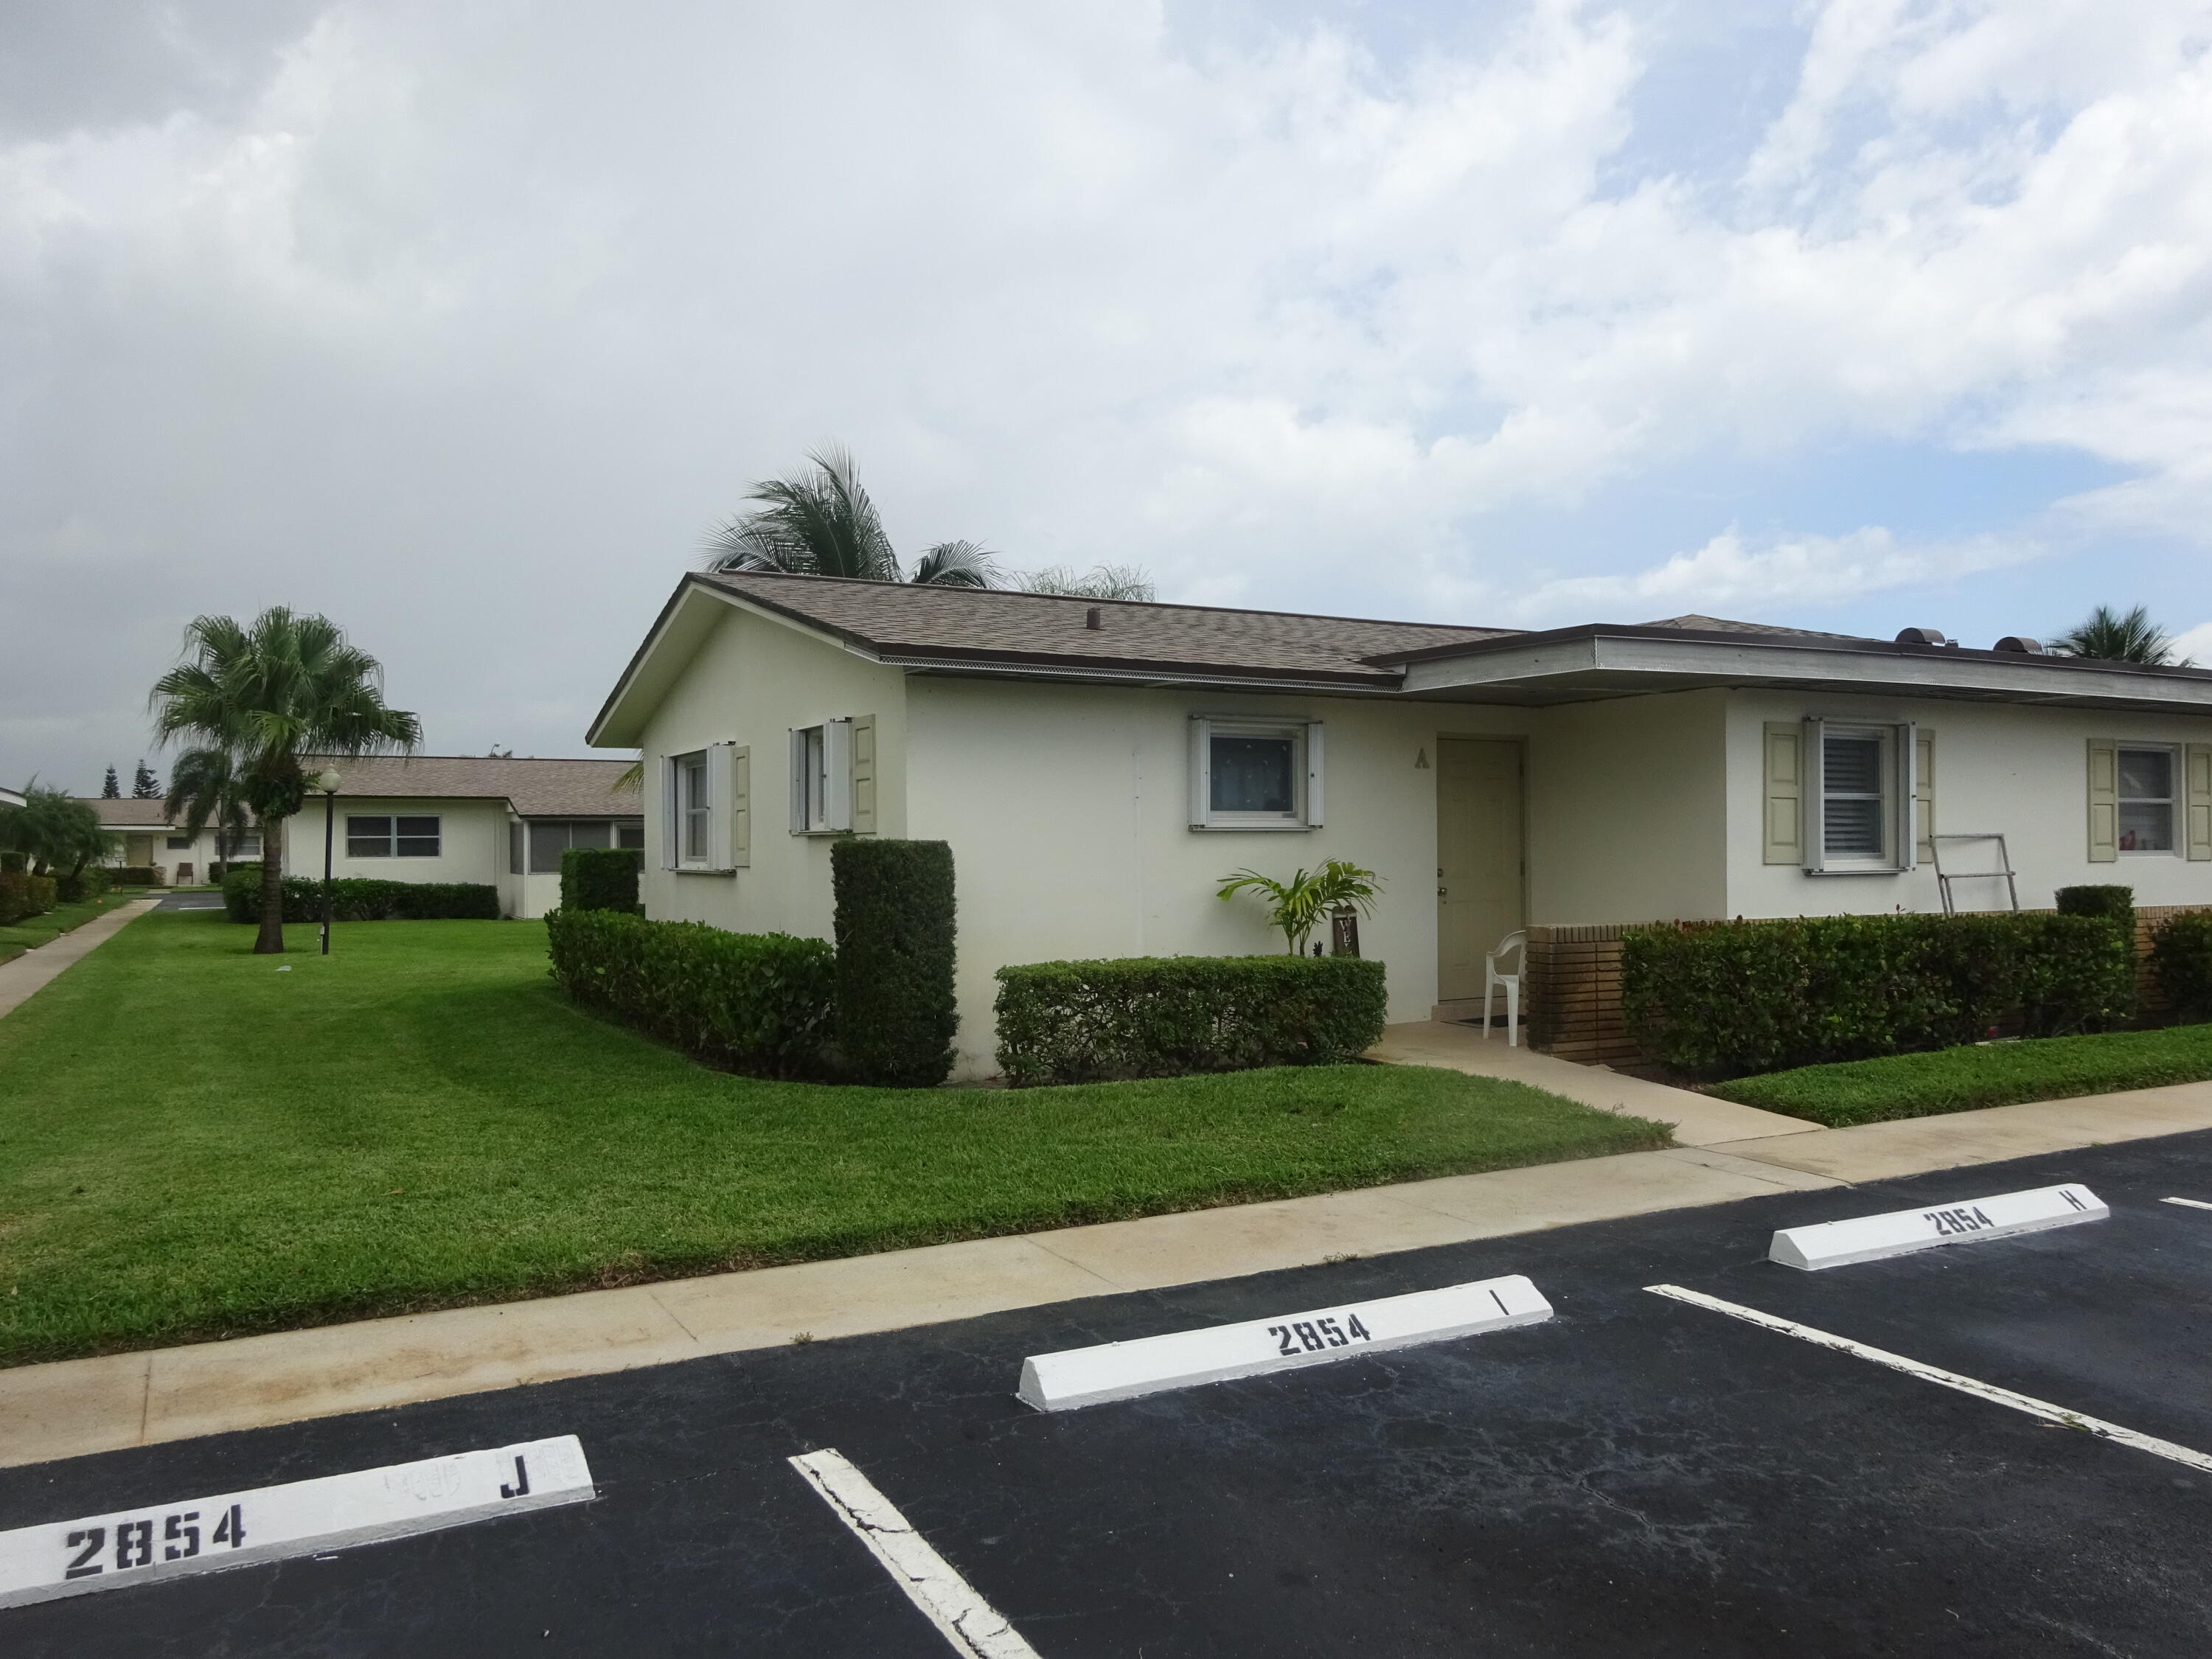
{"x":1989,"y":1391}
{"x":2193,"y":1203}
{"x":968,"y":1621}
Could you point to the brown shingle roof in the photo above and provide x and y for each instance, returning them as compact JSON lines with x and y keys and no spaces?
{"x":954,"y":624}
{"x":128,"y":814}
{"x":538,"y":789}
{"x":1694,"y":624}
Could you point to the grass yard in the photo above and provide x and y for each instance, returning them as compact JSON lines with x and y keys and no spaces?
{"x":34,"y":931}
{"x":196,"y":1145}
{"x":1961,"y":1080}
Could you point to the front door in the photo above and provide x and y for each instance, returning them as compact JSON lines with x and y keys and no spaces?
{"x":1478,"y":857}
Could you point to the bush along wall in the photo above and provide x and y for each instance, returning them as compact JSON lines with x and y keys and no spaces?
{"x":895,"y":926}
{"x":749,"y":1002}
{"x":601,"y":878}
{"x":1724,"y":999}
{"x":1080,"y":1022}
{"x":2181,"y":962}
{"x":23,"y":896}
{"x":138,"y":875}
{"x":357,"y":900}
{"x":2113,"y":904}
{"x":78,"y":887}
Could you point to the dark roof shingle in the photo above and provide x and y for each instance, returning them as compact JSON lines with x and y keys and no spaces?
{"x":538,"y":789}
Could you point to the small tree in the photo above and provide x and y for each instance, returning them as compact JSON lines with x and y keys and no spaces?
{"x":207,"y":786}
{"x":144,"y":786}
{"x":58,"y":834}
{"x":110,"y":787}
{"x":1297,"y":905}
{"x":2110,"y":637}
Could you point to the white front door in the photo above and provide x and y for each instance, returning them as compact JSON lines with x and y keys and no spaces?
{"x":1478,"y":857}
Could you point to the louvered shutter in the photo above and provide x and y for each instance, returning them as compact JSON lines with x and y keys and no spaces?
{"x":1924,"y":795}
{"x":1782,"y":834}
{"x":2103,"y":801}
{"x":864,"y":774}
{"x":2196,"y":769}
{"x":741,"y":807}
{"x":721,"y":787}
{"x":671,"y":812}
{"x":1315,"y":799}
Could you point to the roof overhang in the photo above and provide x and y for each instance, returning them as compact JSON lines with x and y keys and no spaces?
{"x":9,"y":798}
{"x":1582,"y":665}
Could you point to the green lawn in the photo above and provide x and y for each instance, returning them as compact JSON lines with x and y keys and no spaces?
{"x":1997,"y":1074}
{"x":195,"y":1144}
{"x":34,"y":931}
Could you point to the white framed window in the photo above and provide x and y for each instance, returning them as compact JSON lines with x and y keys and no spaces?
{"x":1860,"y":805}
{"x":705,"y":794}
{"x":247,"y":845}
{"x":2146,"y":775}
{"x":181,"y":844}
{"x":822,"y":778}
{"x":1254,"y":773}
{"x":551,"y":837}
{"x":630,"y":833}
{"x":380,"y":836}
{"x":694,"y":810}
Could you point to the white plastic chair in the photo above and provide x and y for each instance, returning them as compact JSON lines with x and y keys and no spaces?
{"x":1516,"y":945}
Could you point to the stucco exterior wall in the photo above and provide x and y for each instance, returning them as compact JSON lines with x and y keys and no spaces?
{"x":2019,"y":771}
{"x":1625,"y":799}
{"x":201,"y":854}
{"x":472,"y":841}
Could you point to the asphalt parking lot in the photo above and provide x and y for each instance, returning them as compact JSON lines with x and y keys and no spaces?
{"x":1636,"y":1475}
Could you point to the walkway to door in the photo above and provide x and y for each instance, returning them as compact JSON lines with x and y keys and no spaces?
{"x":1698,"y":1120}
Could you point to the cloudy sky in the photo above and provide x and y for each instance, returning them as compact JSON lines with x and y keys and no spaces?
{"x":464,"y":322}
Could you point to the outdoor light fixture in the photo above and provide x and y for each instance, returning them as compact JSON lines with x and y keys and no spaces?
{"x":326,"y":782}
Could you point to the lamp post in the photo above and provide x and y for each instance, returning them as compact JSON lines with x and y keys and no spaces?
{"x":327,"y":782}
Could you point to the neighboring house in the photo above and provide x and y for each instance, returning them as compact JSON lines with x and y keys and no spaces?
{"x":149,"y":837}
{"x":491,"y":819}
{"x":1099,"y":766}
{"x":11,"y":798}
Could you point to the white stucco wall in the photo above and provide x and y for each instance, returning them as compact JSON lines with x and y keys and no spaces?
{"x":201,"y":854}
{"x":472,"y":841}
{"x":2019,"y":771}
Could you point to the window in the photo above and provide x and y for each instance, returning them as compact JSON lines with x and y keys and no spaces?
{"x":694,"y":808}
{"x":380,"y":837}
{"x":1867,"y":802}
{"x":2146,"y":797}
{"x":822,"y":779}
{"x":1255,"y":774}
{"x":1853,"y":821}
{"x":181,"y":844}
{"x":549,"y":840}
{"x":245,"y":845}
{"x":630,"y":832}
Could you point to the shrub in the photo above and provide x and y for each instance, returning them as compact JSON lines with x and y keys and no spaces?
{"x":79,"y":886}
{"x":601,"y":878}
{"x":138,"y":875}
{"x":1726,"y":998}
{"x":896,"y":1011}
{"x":1078,"y":1022}
{"x":2181,"y":962}
{"x":751,"y":1002}
{"x":23,"y":895}
{"x":2114,"y":903}
{"x":359,"y":900}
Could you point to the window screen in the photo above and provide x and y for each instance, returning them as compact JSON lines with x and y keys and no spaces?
{"x":368,"y":838}
{"x":419,"y":838}
{"x":179,"y":843}
{"x":551,"y":838}
{"x":2146,"y":801}
{"x":1253,"y":774}
{"x":631,"y":833}
{"x":692,"y":772}
{"x":1851,"y":797}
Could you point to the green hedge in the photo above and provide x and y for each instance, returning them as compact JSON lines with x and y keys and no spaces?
{"x":894,"y":927}
{"x":23,"y":895}
{"x":1079,"y":1022}
{"x":2181,"y":962}
{"x":1720,"y":999}
{"x":601,"y":878}
{"x":751,"y":1002}
{"x":138,"y":875}
{"x":2113,"y":904}
{"x":355,"y":900}
{"x":76,"y":887}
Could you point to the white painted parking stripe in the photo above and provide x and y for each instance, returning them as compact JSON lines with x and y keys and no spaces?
{"x":1921,"y":1368}
{"x":153,"y":1541}
{"x":1900,"y":1232}
{"x":968,"y":1621}
{"x":2193,"y":1203}
{"x":1182,"y":1359}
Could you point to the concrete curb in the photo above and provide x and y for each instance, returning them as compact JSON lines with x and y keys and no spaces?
{"x":76,"y":1407}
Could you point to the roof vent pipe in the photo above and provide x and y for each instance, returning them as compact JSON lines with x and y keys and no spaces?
{"x":1090,"y":619}
{"x":1919,"y":636}
{"x":2020,"y":645}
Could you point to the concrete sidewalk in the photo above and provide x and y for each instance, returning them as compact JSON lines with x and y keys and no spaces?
{"x":81,"y":1406}
{"x":34,"y":970}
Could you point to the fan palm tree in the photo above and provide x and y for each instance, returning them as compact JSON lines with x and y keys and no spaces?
{"x":821,"y":522}
{"x":270,"y":691}
{"x":207,"y":786}
{"x":2109,"y":637}
{"x":1105,"y":581}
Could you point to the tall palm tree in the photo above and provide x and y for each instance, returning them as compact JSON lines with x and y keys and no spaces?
{"x":2110,"y":637}
{"x":821,"y":522}
{"x":270,"y":691}
{"x":208,"y":785}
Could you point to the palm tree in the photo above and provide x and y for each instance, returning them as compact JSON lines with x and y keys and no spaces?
{"x":820,"y":522}
{"x":1105,"y":581}
{"x":208,"y":785}
{"x":2109,"y":637}
{"x":270,"y":691}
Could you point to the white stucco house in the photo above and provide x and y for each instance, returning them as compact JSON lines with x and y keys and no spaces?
{"x":497,"y":820}
{"x":1097,"y":766}
{"x":151,"y":838}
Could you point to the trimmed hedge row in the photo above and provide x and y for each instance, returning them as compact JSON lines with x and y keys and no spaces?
{"x":23,"y":896}
{"x":1723,"y":999}
{"x":2113,"y":904}
{"x":2181,"y":961}
{"x":138,"y":875}
{"x":356,"y":900}
{"x":601,"y":878}
{"x":74,"y":888}
{"x":750,"y":1002}
{"x":1080,"y":1022}
{"x":896,"y":1012}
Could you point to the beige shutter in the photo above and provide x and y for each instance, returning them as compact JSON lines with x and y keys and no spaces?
{"x":722,"y":789}
{"x":2103,"y":801}
{"x":2196,"y":769}
{"x":1923,"y":794}
{"x":1783,"y":835}
{"x":671,"y":812}
{"x":741,"y":807}
{"x":864,"y":774}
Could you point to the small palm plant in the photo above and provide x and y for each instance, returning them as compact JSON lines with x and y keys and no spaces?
{"x":2111,"y":636}
{"x":821,"y":522}
{"x":1297,"y":905}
